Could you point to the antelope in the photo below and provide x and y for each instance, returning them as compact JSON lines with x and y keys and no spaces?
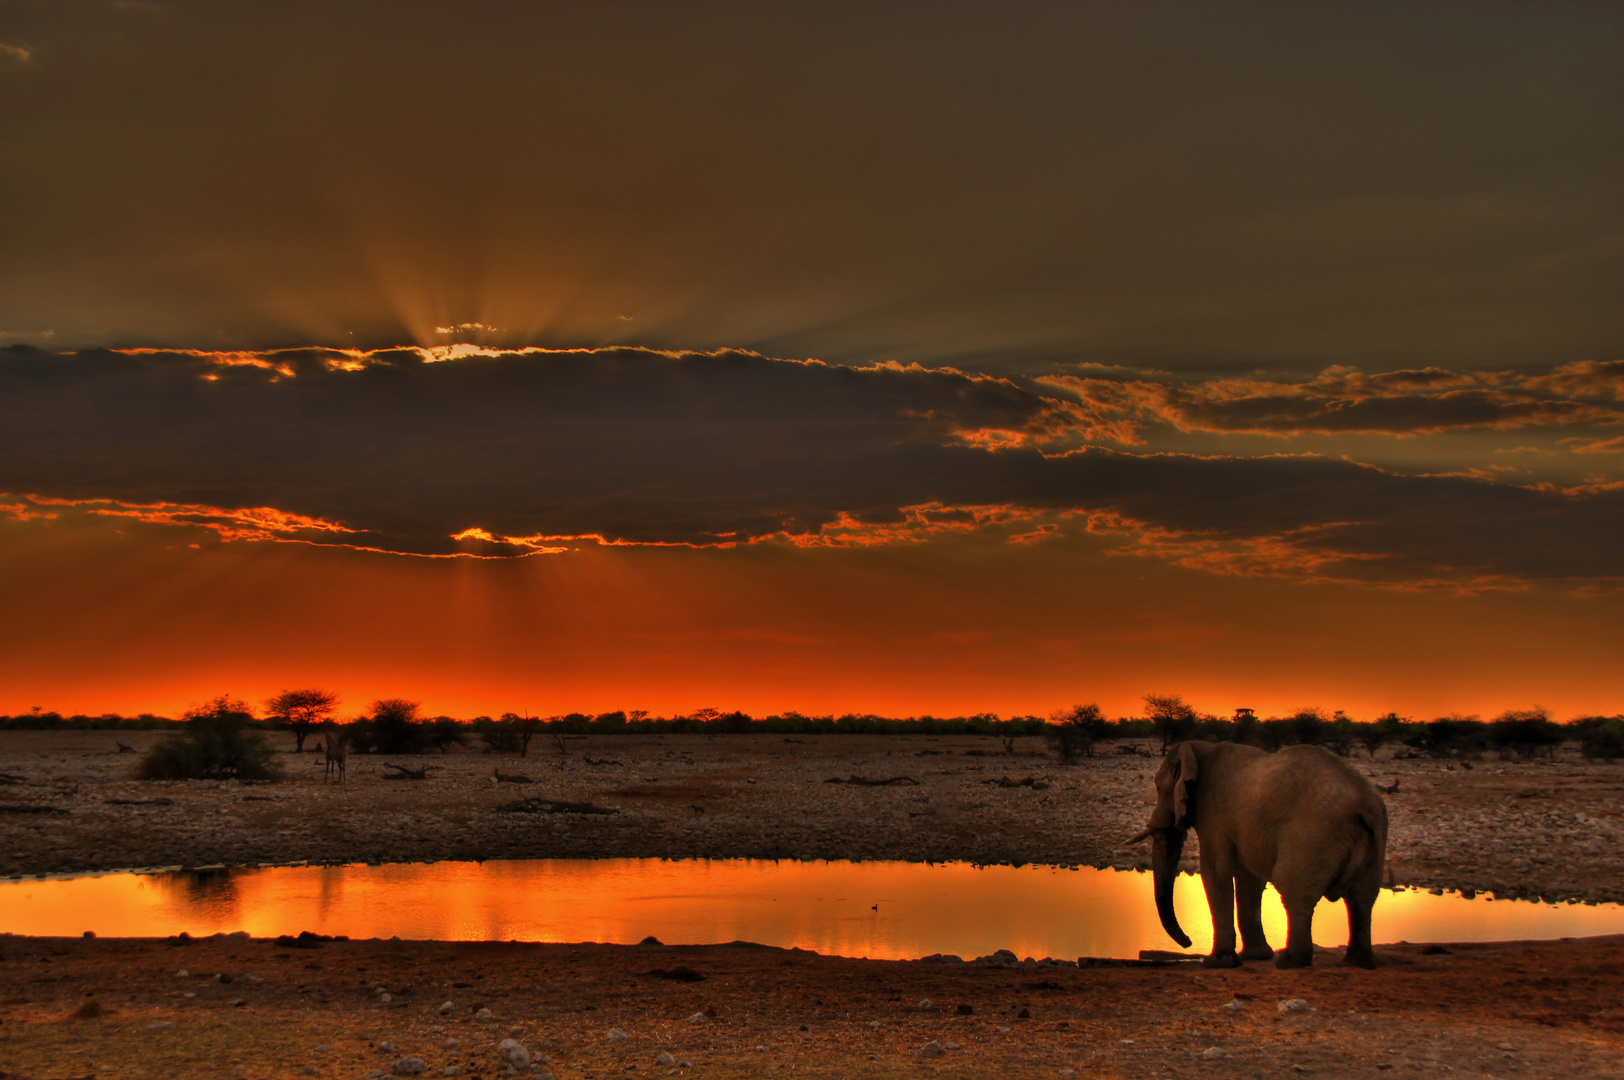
{"x":337,"y":753}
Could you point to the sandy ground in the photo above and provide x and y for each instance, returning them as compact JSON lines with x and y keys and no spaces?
{"x":1550,"y":828}
{"x":1548,"y":1009}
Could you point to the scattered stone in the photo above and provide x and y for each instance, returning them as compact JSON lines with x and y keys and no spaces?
{"x":88,"y":1009}
{"x":952,"y":1045}
{"x":942,"y":958}
{"x":761,"y":1049}
{"x":1068,"y":1072}
{"x":451,"y":1044}
{"x":513,"y":1054}
{"x":384,"y":999}
{"x":373,"y":1074}
{"x":664,"y":1058}
{"x":484,"y":1014}
{"x":236,"y":1003}
{"x":307,"y":1070}
{"x":1291,"y":1005}
{"x":677,"y":974}
{"x":1504,"y":1046}
{"x":411,"y":1065}
{"x":1214,"y":1053}
{"x":931,"y":1049}
{"x":699,"y":1018}
{"x":684,"y":1063}
{"x":183,"y":974}
{"x":450,"y":1070}
{"x":156,"y":1024}
{"x":384,"y":1047}
{"x":223,"y":977}
{"x":616,"y":1035}
{"x":447,"y":1008}
{"x":926,"y":1003}
{"x":1124,"y":1042}
{"x":1236,"y":1004}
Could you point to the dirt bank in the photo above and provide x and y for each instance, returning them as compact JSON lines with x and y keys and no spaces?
{"x":1552,"y":828}
{"x":1546,"y":1009}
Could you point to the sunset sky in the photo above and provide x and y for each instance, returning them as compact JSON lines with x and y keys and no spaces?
{"x":900,"y":358}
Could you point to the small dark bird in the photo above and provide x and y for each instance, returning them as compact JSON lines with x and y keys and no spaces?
{"x":876,"y":907}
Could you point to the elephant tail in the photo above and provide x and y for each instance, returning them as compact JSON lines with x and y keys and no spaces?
{"x":1364,"y":858}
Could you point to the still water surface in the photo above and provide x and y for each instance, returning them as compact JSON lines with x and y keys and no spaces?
{"x":876,"y":909}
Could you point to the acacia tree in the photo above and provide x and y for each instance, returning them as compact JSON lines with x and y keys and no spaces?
{"x":301,"y":712}
{"x":1171,"y":718}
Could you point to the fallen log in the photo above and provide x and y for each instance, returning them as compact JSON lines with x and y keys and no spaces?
{"x":864,"y":781}
{"x":503,"y":776}
{"x":554,"y":806}
{"x":29,"y":808}
{"x":403,"y":773}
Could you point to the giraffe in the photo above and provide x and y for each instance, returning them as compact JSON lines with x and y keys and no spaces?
{"x":337,"y":752}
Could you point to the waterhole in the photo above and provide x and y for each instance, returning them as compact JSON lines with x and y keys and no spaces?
{"x":883,"y":910}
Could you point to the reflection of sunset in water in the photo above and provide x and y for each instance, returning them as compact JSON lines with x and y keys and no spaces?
{"x":881,"y":910}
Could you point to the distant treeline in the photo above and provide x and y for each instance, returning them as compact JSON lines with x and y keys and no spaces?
{"x":396,"y":726}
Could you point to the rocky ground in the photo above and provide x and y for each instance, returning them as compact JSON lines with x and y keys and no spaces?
{"x":235,"y":1007}
{"x":1551,"y":828}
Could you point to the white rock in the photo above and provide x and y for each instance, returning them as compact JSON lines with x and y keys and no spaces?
{"x":761,"y":1049}
{"x":616,"y":1035}
{"x":1236,"y":1004}
{"x":156,"y":1024}
{"x":926,"y":1003}
{"x":183,"y":974}
{"x":1213,"y":1053}
{"x":451,"y":1044}
{"x":484,"y":1014}
{"x":446,"y":1008}
{"x":931,"y":1049}
{"x":513,"y":1053}
{"x":385,"y":1046}
{"x":951,"y":1045}
{"x":665,"y":1059}
{"x":699,"y":1018}
{"x":384,"y":999}
{"x":1291,"y":1005}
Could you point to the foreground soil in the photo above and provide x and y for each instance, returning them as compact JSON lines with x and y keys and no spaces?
{"x":1552,"y":828}
{"x":147,"y":1008}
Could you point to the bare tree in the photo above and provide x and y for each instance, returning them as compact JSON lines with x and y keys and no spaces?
{"x":301,"y":712}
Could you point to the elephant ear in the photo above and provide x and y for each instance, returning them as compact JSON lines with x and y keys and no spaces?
{"x":1183,"y":787}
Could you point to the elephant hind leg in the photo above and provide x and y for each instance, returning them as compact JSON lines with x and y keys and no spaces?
{"x":1360,"y":951}
{"x":1249,"y":912}
{"x":1299,"y":950}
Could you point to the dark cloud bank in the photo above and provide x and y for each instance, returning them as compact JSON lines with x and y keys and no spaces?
{"x":705,"y":448}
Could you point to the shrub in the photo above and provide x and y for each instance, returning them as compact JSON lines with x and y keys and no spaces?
{"x":1450,"y":736}
{"x":1525,"y":732}
{"x":396,"y":728}
{"x":1073,"y":732}
{"x":510,"y":735}
{"x":444,"y":732}
{"x":1601,"y":737}
{"x":216,"y":743}
{"x":1387,"y":727}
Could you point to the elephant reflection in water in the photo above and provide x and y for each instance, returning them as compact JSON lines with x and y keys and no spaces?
{"x":1301,"y":819}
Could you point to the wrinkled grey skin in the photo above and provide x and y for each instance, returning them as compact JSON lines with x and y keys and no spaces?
{"x":1302,"y":820}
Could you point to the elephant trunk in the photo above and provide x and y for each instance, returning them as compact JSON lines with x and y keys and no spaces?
{"x":1165,"y":849}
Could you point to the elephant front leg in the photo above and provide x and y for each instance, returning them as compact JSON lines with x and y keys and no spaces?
{"x":1217,"y":878}
{"x":1249,"y":912}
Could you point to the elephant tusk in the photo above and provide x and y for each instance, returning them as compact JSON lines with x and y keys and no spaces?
{"x":1142,"y":836}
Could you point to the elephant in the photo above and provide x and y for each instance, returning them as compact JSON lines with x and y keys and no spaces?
{"x":1301,"y":819}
